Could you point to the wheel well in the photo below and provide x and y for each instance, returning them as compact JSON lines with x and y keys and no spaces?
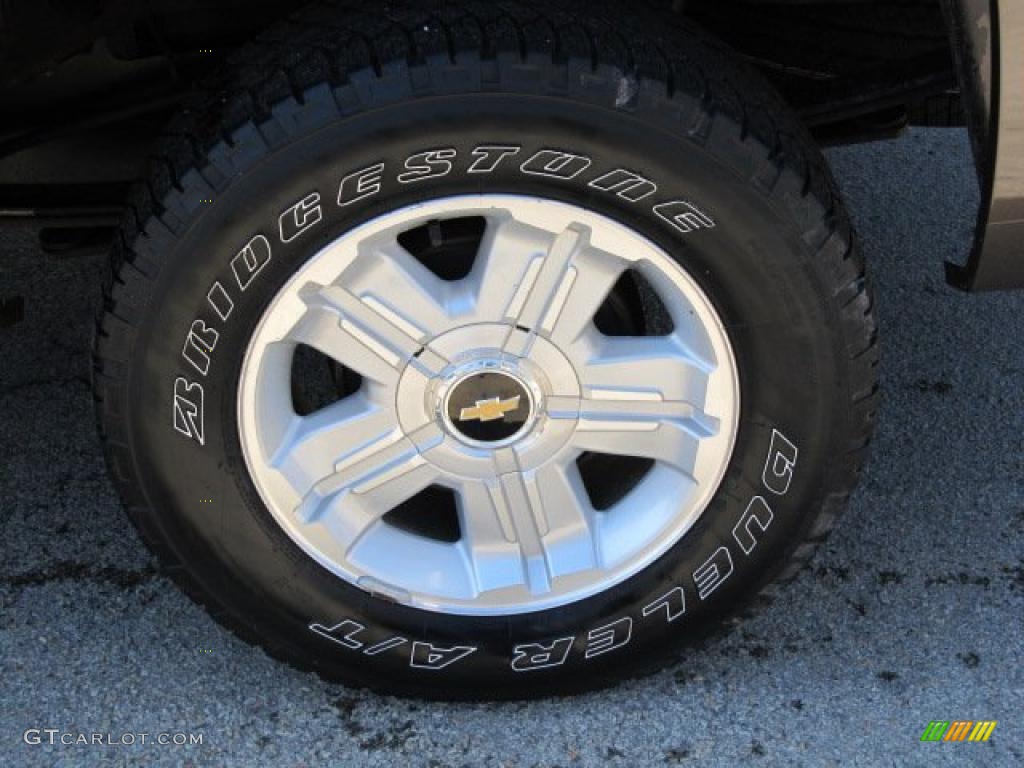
{"x":99,"y":89}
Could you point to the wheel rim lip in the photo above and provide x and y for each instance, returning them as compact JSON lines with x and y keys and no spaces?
{"x":573,"y":589}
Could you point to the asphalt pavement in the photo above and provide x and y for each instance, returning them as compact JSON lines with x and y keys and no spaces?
{"x":911,"y":612}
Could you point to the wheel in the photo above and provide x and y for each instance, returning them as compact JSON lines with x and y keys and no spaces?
{"x":488,"y":353}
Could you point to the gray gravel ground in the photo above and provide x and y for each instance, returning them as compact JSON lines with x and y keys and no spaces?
{"x":912,"y":611}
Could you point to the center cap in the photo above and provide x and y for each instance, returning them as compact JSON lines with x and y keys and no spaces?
{"x":489,"y":407}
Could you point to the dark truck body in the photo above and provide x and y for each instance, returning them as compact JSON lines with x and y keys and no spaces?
{"x":988,"y":43}
{"x":86,"y":86}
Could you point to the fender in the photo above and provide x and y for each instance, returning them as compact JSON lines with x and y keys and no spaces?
{"x":988,"y":44}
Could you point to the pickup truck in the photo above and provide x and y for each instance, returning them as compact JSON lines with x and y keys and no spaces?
{"x":487,"y":349}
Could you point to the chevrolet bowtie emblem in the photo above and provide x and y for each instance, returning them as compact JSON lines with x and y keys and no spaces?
{"x":490,"y":409}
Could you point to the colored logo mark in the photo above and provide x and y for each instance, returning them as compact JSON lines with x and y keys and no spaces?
{"x":958,"y":730}
{"x":490,"y":409}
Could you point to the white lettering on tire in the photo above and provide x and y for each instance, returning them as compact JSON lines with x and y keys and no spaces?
{"x":253,"y":257}
{"x":778,"y":467}
{"x":218,"y":298}
{"x":626,"y":184}
{"x":431,"y":164}
{"x":684,"y":216}
{"x":295,"y":220}
{"x":430,"y":656}
{"x":199,"y":343}
{"x":343,"y":633}
{"x":384,"y":645}
{"x":610,"y":637}
{"x":528,"y":657}
{"x":188,"y":409}
{"x":555,"y":164}
{"x":673,"y":601}
{"x":489,"y":156}
{"x":359,"y":184}
{"x":758,"y":514}
{"x":713,"y":572}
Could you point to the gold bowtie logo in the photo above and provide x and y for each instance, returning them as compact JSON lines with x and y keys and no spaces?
{"x":490,"y":409}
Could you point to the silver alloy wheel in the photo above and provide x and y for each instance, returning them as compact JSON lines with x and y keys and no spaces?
{"x":512,"y":345}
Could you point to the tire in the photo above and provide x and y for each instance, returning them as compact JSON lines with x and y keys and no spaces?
{"x":349,"y":104}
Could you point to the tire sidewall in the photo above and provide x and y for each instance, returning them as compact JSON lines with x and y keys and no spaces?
{"x":752,"y":264}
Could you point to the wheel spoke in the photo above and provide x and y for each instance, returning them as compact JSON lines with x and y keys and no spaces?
{"x":589,"y":280}
{"x":539,"y":302}
{"x":489,"y":538}
{"x":642,"y":397}
{"x":351,"y":514}
{"x":548,"y":283}
{"x":508,"y":260}
{"x":642,"y":368}
{"x":527,"y":528}
{"x":397,"y":286}
{"x":313,"y":445}
{"x":353,"y":332}
{"x":675,"y":443}
{"x":382,"y":474}
{"x":561,"y":291}
{"x":569,"y":542}
{"x":626,"y":415}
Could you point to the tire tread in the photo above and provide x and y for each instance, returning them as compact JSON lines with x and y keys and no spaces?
{"x":339,"y":58}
